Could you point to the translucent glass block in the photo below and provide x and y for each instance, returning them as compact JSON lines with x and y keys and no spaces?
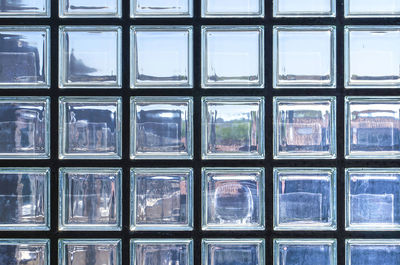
{"x":304,"y":57}
{"x":371,"y":8}
{"x":90,"y":57}
{"x":372,"y":56}
{"x":161,"y":8}
{"x":90,"y":127}
{"x":24,"y":8}
{"x":304,"y":198}
{"x":233,"y":199}
{"x":305,"y":127}
{"x":232,"y":8}
{"x":161,"y":127}
{"x":24,"y":56}
{"x":307,"y":8}
{"x":233,"y":251}
{"x":232,"y":56}
{"x":89,"y":8}
{"x":232,"y":128}
{"x":25,"y":251}
{"x":161,"y":57}
{"x":372,"y":251}
{"x":90,"y":199}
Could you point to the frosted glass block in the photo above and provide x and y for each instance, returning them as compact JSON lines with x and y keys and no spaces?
{"x":232,"y":57}
{"x":232,"y":8}
{"x":372,"y":56}
{"x":233,"y":199}
{"x":90,"y":57}
{"x":305,"y":8}
{"x":372,"y":251}
{"x":24,"y":8}
{"x":25,"y":251}
{"x":304,"y":57}
{"x":24,"y":56}
{"x":371,"y":8}
{"x":161,"y":127}
{"x":304,"y":127}
{"x":161,"y":57}
{"x":161,"y":8}
{"x":90,"y":127}
{"x":89,"y":8}
{"x":232,"y":128}
{"x":162,"y":199}
{"x":90,"y":199}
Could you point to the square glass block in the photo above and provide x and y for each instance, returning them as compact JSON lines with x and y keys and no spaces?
{"x":90,"y":57}
{"x":232,"y":57}
{"x":24,"y":56}
{"x":90,"y":127}
{"x":90,"y":199}
{"x":232,"y":128}
{"x":24,"y":127}
{"x":305,"y":127}
{"x":161,"y":8}
{"x":161,"y":127}
{"x":304,"y":57}
{"x":232,"y":8}
{"x":372,"y":56}
{"x":90,"y":9}
{"x":305,"y":251}
{"x":89,"y":251}
{"x":233,"y":251}
{"x":25,"y":251}
{"x":372,"y":251}
{"x":233,"y":199}
{"x":371,"y":8}
{"x":305,"y":8}
{"x":162,"y":199}
{"x":25,"y":8}
{"x":304,"y":198}
{"x":161,"y":57}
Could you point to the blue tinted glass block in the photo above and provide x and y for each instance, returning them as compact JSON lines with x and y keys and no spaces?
{"x":232,"y":8}
{"x":24,"y":251}
{"x":161,"y":8}
{"x":88,"y":8}
{"x":305,"y":8}
{"x":372,"y":251}
{"x":371,"y":8}
{"x":24,"y":8}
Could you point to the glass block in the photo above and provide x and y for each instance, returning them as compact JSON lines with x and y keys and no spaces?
{"x":24,"y":9}
{"x":305,"y":251}
{"x":25,"y":251}
{"x":161,"y":8}
{"x":232,"y":57}
{"x":304,"y":57}
{"x":372,"y":251}
{"x":304,"y":198}
{"x":307,"y":8}
{"x":90,"y":199}
{"x":233,"y":199}
{"x":89,"y":251}
{"x":24,"y":56}
{"x":90,"y":57}
{"x":90,"y":127}
{"x":161,"y":127}
{"x":232,"y":128}
{"x":371,"y":8}
{"x":233,"y":251}
{"x":171,"y":47}
{"x":232,"y":8}
{"x":304,"y":127}
{"x":24,"y":127}
{"x":90,"y":9}
{"x":372,"y":56}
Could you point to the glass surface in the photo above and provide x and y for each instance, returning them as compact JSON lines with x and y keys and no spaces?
{"x":232,"y":8}
{"x":233,"y":199}
{"x":24,"y":8}
{"x":24,"y":56}
{"x":372,"y":251}
{"x":161,"y":127}
{"x":90,"y":8}
{"x":161,"y":8}
{"x":90,"y":127}
{"x":371,"y":8}
{"x":24,"y":251}
{"x":304,"y":57}
{"x":372,"y":56}
{"x":305,"y":199}
{"x":305,"y":8}
{"x":232,"y":57}
{"x":169,"y":46}
{"x":161,"y":199}
{"x":90,"y":57}
{"x":232,"y":128}
{"x":305,"y":127}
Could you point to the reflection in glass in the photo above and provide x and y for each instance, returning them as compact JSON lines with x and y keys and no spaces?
{"x":232,"y":8}
{"x":371,"y":8}
{"x":161,"y":8}
{"x":305,"y":8}
{"x":89,"y":8}
{"x":372,"y":251}
{"x":24,"y":251}
{"x":25,"y":8}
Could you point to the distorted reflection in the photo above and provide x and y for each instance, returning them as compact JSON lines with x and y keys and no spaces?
{"x":373,"y":8}
{"x":23,"y":7}
{"x":89,"y":7}
{"x":161,"y":7}
{"x":304,"y":8}
{"x":21,"y":253}
{"x":292,"y":254}
{"x":161,"y":254}
{"x":385,"y":254}
{"x":91,"y":254}
{"x":233,"y":254}
{"x":233,"y":7}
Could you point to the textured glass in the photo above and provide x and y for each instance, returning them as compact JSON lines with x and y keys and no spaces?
{"x":304,"y":127}
{"x":232,"y":57}
{"x":162,"y":199}
{"x":233,"y":199}
{"x":161,"y":127}
{"x":169,"y":46}
{"x":24,"y":251}
{"x":24,"y":8}
{"x":232,"y":8}
{"x":161,"y":8}
{"x":90,"y":127}
{"x":305,"y":8}
{"x":90,"y":8}
{"x":372,"y":56}
{"x":232,"y":127}
{"x":90,"y":199}
{"x":304,"y":57}
{"x":90,"y":57}
{"x":372,"y":251}
{"x":371,"y":8}
{"x":24,"y":56}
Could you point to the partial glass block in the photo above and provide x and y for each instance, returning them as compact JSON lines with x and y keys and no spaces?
{"x":24,"y":8}
{"x":371,"y":8}
{"x":90,"y":57}
{"x":24,"y":56}
{"x":372,"y":251}
{"x":304,"y":198}
{"x":305,"y":127}
{"x":90,"y":127}
{"x":372,"y":56}
{"x":232,"y":128}
{"x":232,"y":8}
{"x":90,"y":9}
{"x":161,"y":8}
{"x":304,"y":57}
{"x":161,"y":127}
{"x":171,"y":47}
{"x":233,"y":199}
{"x":25,"y":251}
{"x":305,"y":8}
{"x":232,"y":56}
